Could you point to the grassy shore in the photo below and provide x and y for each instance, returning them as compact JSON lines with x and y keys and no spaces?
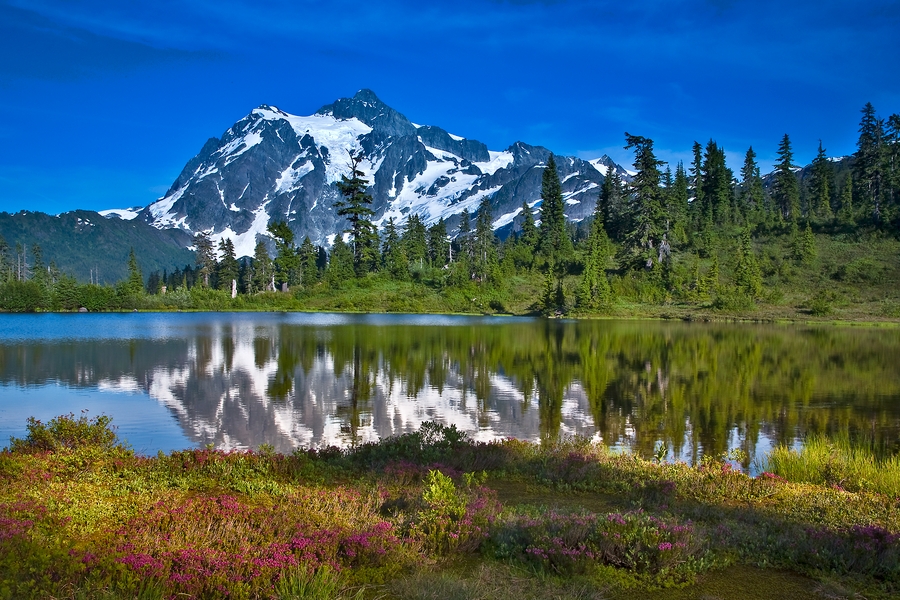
{"x":435,"y":515}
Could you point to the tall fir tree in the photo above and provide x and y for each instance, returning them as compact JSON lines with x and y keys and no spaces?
{"x":786,"y":189}
{"x":393,"y":252}
{"x":309,"y":269}
{"x":752,"y":193}
{"x":415,"y":242}
{"x":555,"y":244}
{"x":716,"y":185}
{"x":892,"y":165}
{"x":287,"y":263}
{"x":647,"y":225}
{"x":612,"y":203}
{"x":747,"y":274}
{"x":529,"y":234}
{"x":340,"y":264}
{"x":846,"y":216}
{"x":677,"y":204}
{"x":134,"y":284}
{"x":696,"y":186}
{"x":868,"y":162}
{"x":206,"y":256}
{"x":484,"y":243}
{"x":263,"y":276}
{"x":356,"y":208}
{"x":464,"y":236}
{"x":820,"y":186}
{"x":594,"y":290}
{"x":228,"y":267}
{"x":438,"y":245}
{"x":6,"y":270}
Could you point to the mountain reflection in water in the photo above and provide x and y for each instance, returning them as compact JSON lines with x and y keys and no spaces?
{"x":291,"y":380}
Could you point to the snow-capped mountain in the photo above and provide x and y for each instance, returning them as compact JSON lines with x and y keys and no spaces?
{"x":272,"y":166}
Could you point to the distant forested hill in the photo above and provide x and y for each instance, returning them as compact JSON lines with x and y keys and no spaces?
{"x":88,"y":246}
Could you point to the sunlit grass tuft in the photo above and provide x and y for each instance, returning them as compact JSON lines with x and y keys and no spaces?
{"x":838,"y":463}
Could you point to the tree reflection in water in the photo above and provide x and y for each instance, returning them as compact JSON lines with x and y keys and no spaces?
{"x":700,"y":388}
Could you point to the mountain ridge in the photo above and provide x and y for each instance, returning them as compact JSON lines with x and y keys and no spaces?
{"x":272,"y":165}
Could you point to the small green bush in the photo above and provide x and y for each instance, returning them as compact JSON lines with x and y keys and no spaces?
{"x":66,"y":432}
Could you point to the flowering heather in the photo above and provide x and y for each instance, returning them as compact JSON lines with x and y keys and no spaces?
{"x":636,"y":541}
{"x":91,"y":519}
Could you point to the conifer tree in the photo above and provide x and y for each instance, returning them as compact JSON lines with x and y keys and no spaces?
{"x":245,"y":277}
{"x":747,"y":275}
{"x":892,"y":163}
{"x":463,"y":236}
{"x":355,"y":207}
{"x":529,"y":234}
{"x":696,"y":185}
{"x":438,"y":245}
{"x":309,"y":270}
{"x":228,"y":267}
{"x":751,"y":190}
{"x":716,"y":184}
{"x":340,"y":264}
{"x":786,"y":190}
{"x":868,"y":162}
{"x":393,"y":252}
{"x":206,"y":256}
{"x":555,"y":244}
{"x":846,"y":211}
{"x":553,"y":299}
{"x":134,"y":284}
{"x":415,"y":242}
{"x":286,"y":261}
{"x":6,"y":270}
{"x":39,"y":271}
{"x":611,"y":201}
{"x":648,"y":219}
{"x":678,"y":204}
{"x":820,"y":186}
{"x":806,"y":245}
{"x":594,"y":290}
{"x":711,"y":280}
{"x":262,"y":277}
{"x":484,"y":243}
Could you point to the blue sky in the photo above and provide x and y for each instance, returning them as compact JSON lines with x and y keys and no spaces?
{"x":102,"y":103}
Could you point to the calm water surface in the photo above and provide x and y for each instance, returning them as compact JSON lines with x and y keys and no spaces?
{"x":238,"y":380}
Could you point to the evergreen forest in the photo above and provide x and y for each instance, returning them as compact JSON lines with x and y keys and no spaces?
{"x":683,"y":241}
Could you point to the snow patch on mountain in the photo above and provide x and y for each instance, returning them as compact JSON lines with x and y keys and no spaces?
{"x":599,"y":166}
{"x":126,"y":214}
{"x":337,"y":135}
{"x":290,"y":177}
{"x":499,"y":160}
{"x":506,"y":219}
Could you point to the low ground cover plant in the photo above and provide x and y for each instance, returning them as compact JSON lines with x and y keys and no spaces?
{"x":82,"y":516}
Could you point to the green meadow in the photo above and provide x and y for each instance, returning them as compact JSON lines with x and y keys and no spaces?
{"x":433,"y":514}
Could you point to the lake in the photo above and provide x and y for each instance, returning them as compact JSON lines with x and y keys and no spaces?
{"x":238,"y":380}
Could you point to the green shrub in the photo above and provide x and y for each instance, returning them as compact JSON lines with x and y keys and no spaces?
{"x":861,"y":270}
{"x":97,"y":297}
{"x":66,"y":432}
{"x":733,"y":300}
{"x":23,"y":296}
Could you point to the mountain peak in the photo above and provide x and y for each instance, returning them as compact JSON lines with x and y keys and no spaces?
{"x":368,"y":108}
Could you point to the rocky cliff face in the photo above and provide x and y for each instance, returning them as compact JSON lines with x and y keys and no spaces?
{"x":272,"y":166}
